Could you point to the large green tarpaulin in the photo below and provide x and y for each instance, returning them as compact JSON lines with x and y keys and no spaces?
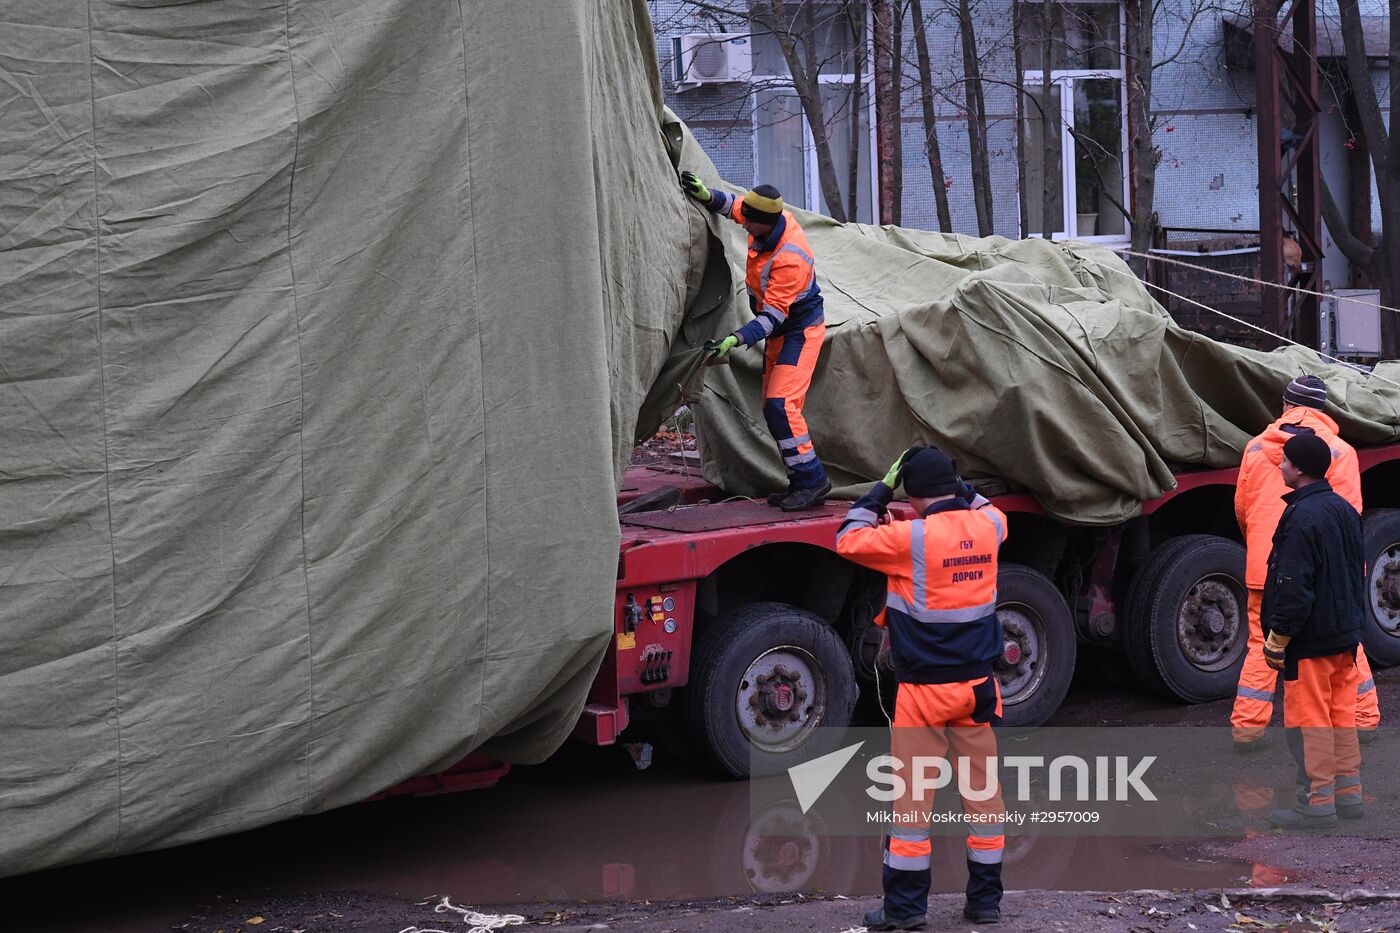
{"x":324,"y":330}
{"x":324,"y":325}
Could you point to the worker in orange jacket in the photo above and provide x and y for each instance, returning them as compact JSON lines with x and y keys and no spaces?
{"x":781,"y":277}
{"x":1258,"y":505}
{"x":944,"y":637}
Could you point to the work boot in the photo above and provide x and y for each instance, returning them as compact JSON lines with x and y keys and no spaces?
{"x":1354,"y":811}
{"x":1367,"y":736}
{"x":775,"y":499}
{"x":981,"y":915}
{"x":1248,"y":746}
{"x":1292,"y":819}
{"x":809,"y":498}
{"x":876,"y":920}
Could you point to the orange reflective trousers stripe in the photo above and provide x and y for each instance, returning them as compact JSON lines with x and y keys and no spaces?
{"x":1321,"y":705}
{"x":1254,"y":698}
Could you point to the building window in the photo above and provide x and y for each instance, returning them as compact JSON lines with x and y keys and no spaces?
{"x":1084,"y":124}
{"x":785,"y":153}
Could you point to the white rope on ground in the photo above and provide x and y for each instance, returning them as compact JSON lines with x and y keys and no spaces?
{"x":480,"y":923}
{"x":1244,"y":278}
{"x":1231,"y":317}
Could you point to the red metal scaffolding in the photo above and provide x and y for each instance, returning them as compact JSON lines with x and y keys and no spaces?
{"x":1290,"y":200}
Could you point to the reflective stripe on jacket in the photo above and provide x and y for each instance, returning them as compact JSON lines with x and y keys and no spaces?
{"x":1259,"y":490}
{"x":941,"y":583}
{"x":781,"y":276}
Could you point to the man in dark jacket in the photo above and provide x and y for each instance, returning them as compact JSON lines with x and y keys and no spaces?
{"x":1314,"y":608}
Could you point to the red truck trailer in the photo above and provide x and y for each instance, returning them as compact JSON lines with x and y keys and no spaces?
{"x":735,"y":622}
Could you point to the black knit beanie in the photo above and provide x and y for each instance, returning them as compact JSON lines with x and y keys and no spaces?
{"x":929,"y":473}
{"x":1310,"y":454}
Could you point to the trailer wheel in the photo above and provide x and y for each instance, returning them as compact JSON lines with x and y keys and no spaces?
{"x":1382,"y":549}
{"x":1188,"y":618}
{"x":1037,"y":662}
{"x":768,"y":678}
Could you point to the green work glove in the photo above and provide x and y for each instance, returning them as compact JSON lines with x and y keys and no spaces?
{"x":892,"y":477}
{"x":718,"y":350}
{"x":693,"y":186}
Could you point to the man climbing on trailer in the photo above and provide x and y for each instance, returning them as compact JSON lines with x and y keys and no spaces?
{"x":941,"y":623}
{"x":1258,"y":505}
{"x":787,"y":304}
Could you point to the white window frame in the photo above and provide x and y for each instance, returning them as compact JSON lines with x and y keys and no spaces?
{"x":1065,"y":79}
{"x":783,"y":83}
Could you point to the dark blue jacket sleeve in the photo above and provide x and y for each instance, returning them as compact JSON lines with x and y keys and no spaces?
{"x":1295,"y":581}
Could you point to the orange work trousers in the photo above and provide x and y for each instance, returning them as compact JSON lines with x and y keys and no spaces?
{"x":788,"y":364}
{"x":1319,"y":715}
{"x":948,"y":722}
{"x":1254,"y":698}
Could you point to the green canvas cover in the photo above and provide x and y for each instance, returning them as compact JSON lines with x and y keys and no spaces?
{"x":1044,"y":364}
{"x":324,"y":326}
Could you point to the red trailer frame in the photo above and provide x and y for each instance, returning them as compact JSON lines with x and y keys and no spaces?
{"x":682,"y":566}
{"x":666,"y":553}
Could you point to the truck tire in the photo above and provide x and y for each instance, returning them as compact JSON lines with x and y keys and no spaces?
{"x":1188,"y":618}
{"x":1038,"y":664}
{"x":1381,"y":635}
{"x":772,"y":679}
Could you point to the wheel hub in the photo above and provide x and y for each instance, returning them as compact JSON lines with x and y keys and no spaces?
{"x":1019,"y":669}
{"x":781,"y":698}
{"x":777,"y":697}
{"x":1385,"y":590}
{"x":1211,"y":622}
{"x":1208,"y":624}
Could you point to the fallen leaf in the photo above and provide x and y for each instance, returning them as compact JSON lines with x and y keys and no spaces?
{"x":253,"y":921}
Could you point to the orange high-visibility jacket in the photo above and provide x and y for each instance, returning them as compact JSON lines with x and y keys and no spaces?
{"x":941,"y":583}
{"x":781,"y":276}
{"x":1259,"y":491}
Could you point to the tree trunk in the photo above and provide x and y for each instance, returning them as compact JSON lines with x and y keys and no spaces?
{"x":1385,"y":274}
{"x":1017,"y":31}
{"x":1050,"y":127}
{"x":976,"y":121}
{"x":1389,"y":186}
{"x":804,"y":80}
{"x":935,"y":153}
{"x":886,"y":106}
{"x":855,"y":17}
{"x":1142,"y":151}
{"x":897,"y":152}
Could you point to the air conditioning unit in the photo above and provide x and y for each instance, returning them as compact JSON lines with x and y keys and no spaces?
{"x":702,"y":58}
{"x":1352,"y":323}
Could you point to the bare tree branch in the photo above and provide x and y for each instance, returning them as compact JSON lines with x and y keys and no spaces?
{"x":1351,"y":246}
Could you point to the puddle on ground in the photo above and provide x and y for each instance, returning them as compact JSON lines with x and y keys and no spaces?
{"x":586,"y":827}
